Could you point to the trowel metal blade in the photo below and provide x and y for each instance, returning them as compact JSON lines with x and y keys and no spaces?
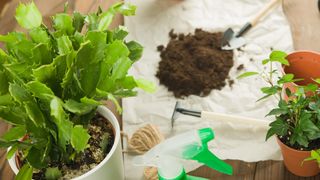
{"x":234,"y":43}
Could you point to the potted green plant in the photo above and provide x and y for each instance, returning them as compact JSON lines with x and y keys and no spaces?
{"x":52,"y":81}
{"x":297,"y":118}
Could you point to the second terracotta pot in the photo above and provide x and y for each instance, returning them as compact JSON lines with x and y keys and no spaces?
{"x":293,"y":161}
{"x":304,"y":65}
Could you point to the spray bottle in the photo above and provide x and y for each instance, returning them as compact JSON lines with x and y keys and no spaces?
{"x":192,"y":145}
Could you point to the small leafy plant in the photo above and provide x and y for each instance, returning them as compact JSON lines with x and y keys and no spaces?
{"x":315,"y":156}
{"x":52,"y":80}
{"x":297,"y":118}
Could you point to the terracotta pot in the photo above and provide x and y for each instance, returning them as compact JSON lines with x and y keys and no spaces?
{"x":303,"y":64}
{"x":112,"y":165}
{"x":293,"y":161}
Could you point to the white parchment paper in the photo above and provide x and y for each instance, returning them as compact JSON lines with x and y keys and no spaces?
{"x":150,"y":27}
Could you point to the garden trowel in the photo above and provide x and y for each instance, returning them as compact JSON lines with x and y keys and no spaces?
{"x":232,"y":40}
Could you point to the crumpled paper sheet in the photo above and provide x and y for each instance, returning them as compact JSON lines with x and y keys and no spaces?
{"x":150,"y":27}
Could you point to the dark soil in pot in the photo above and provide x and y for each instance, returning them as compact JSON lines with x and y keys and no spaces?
{"x":194,"y":64}
{"x":314,"y":144}
{"x":101,"y":141}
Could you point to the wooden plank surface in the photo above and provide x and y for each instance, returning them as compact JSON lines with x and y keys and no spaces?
{"x":305,"y":24}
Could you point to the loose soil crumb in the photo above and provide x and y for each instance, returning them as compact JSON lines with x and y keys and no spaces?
{"x":240,"y":67}
{"x":231,"y":82}
{"x":194,"y":63}
{"x":251,"y":59}
{"x":102,"y":134}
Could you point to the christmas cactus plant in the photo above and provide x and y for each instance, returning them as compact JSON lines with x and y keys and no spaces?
{"x":52,"y":80}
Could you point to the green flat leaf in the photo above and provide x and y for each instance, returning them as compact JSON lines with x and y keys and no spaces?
{"x":77,"y":107}
{"x":34,"y":113}
{"x":53,"y":173}
{"x":6,"y":100}
{"x":41,"y":54}
{"x":40,"y":90}
{"x":28,"y":16}
{"x":311,"y":87}
{"x":34,"y":157}
{"x":277,"y":111}
{"x":115,"y":51}
{"x":12,"y":115}
{"x":12,"y":151}
{"x":135,"y":49}
{"x":39,"y":35}
{"x":19,"y":94}
{"x":247,"y":74}
{"x":93,"y":21}
{"x":87,"y":100}
{"x":105,"y":20}
{"x":25,"y":173}
{"x":79,"y":138}
{"x":286,"y":78}
{"x":78,"y":21}
{"x":62,"y":121}
{"x":120,"y":68}
{"x":126,"y":9}
{"x":63,"y":22}
{"x":15,"y":133}
{"x":120,"y":33}
{"x":279,"y":56}
{"x":265,"y":61}
{"x":146,"y":85}
{"x":98,"y":40}
{"x":271,"y":90}
{"x":317,"y":80}
{"x":64,"y":45}
{"x":279,"y":127}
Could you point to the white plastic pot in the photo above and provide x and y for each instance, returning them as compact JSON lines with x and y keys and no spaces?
{"x":112,"y":165}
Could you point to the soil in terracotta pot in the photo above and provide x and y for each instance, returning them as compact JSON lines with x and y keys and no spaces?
{"x":314,"y":144}
{"x":194,"y":64}
{"x":102,"y":135}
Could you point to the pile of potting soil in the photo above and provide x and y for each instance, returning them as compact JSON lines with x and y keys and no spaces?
{"x":194,"y":63}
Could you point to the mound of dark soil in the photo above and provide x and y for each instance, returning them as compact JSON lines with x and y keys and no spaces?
{"x":194,"y":63}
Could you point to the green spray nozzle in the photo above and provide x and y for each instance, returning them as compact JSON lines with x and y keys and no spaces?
{"x":192,"y":145}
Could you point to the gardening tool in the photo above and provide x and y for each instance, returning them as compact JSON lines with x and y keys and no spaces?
{"x":218,"y":117}
{"x":191,"y":145}
{"x":230,"y":40}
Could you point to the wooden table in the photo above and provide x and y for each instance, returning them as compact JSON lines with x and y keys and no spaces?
{"x":305,"y":24}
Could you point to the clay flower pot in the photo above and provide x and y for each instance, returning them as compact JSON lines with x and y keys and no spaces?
{"x":304,"y":65}
{"x":293,"y":161}
{"x":112,"y":165}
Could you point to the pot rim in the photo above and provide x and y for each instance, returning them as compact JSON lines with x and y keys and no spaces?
{"x":104,"y":111}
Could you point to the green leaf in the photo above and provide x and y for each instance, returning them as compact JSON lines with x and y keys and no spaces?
{"x":135,"y":49}
{"x":317,"y":80}
{"x":247,"y":74}
{"x":279,"y":56}
{"x":271,"y":90}
{"x":105,"y":20}
{"x":19,"y":94}
{"x":278,"y":127}
{"x":311,"y":87}
{"x":28,"y":16}
{"x":77,"y":107}
{"x":146,"y":85}
{"x":79,"y":138}
{"x":126,"y":9}
{"x":277,"y":111}
{"x":265,"y":61}
{"x":93,"y":21}
{"x":64,"y":45}
{"x":39,"y":35}
{"x":34,"y":157}
{"x":39,"y":89}
{"x":52,"y":173}
{"x":120,"y":33}
{"x":115,"y":51}
{"x":12,"y":151}
{"x":63,"y":22}
{"x":34,"y":113}
{"x":120,"y":68}
{"x":78,"y":21}
{"x":15,"y":133}
{"x":62,"y":121}
{"x":12,"y":115}
{"x":286,"y":78}
{"x":25,"y":173}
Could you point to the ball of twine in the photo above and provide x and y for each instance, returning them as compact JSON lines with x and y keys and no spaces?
{"x":142,"y":141}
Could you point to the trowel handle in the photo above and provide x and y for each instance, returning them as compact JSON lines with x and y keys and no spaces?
{"x":255,"y":20}
{"x":264,"y":11}
{"x":234,"y":119}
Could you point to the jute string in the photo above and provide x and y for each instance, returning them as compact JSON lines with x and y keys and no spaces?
{"x":142,"y":141}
